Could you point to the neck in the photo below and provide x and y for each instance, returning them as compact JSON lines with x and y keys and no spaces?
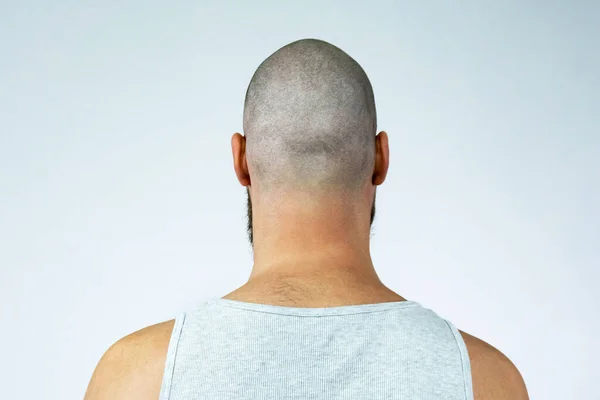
{"x":301,"y":237}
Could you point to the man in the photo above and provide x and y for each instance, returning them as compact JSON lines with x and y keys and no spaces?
{"x":313,"y":321}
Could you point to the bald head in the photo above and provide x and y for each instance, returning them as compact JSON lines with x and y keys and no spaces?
{"x":310,"y":120}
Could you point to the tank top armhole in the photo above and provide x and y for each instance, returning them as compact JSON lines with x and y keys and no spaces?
{"x":465,"y":361}
{"x":165,"y":387}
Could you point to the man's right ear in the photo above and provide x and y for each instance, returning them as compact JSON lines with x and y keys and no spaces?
{"x":382,"y":158}
{"x":240,"y":165}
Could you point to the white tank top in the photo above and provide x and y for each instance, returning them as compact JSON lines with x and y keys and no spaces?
{"x":227,"y":349}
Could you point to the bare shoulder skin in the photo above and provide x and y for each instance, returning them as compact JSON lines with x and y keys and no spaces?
{"x":495,"y":377}
{"x":133,"y":367}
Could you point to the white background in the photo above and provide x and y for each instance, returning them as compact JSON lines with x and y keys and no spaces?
{"x":119,"y":206}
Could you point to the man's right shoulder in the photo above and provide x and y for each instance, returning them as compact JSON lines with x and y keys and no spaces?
{"x":495,"y":377}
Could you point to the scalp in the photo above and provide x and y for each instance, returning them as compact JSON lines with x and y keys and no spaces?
{"x":309,"y":118}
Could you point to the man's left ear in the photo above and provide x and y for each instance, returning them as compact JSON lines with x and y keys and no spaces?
{"x":240,"y":165}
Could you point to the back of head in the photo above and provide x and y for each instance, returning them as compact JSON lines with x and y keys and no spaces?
{"x":310,"y":120}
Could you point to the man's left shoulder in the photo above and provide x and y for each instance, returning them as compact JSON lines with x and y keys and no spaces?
{"x":132,"y":368}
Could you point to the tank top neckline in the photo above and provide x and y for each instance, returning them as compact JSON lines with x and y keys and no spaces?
{"x":314,"y":311}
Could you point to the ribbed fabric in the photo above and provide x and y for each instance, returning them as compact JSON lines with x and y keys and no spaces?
{"x":227,"y":349}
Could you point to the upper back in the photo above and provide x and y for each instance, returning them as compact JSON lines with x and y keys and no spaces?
{"x":228,"y":349}
{"x":398,"y":350}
